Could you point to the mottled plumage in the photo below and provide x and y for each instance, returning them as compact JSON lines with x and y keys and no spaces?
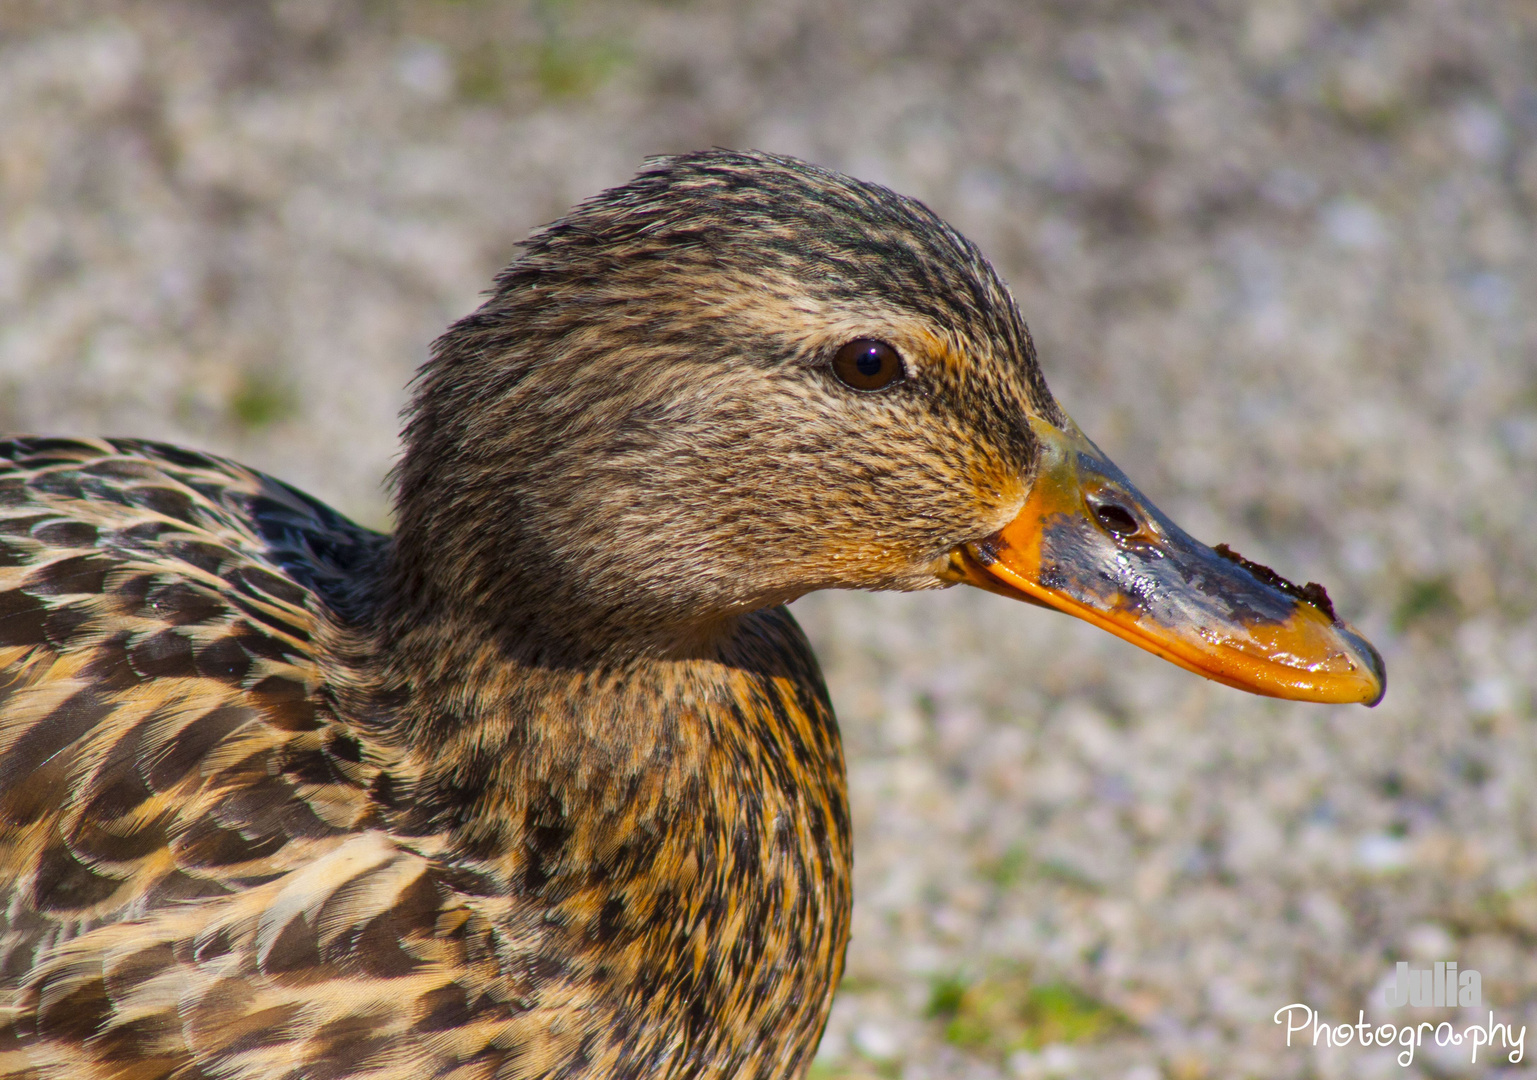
{"x":204,"y":864}
{"x":547,"y":784}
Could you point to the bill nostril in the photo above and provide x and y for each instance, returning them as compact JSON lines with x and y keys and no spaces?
{"x":1116,"y":519}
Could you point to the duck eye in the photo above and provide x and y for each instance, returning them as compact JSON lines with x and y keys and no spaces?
{"x":867,"y":364}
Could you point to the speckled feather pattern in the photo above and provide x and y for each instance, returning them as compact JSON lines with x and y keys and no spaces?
{"x":546,"y":785}
{"x":206,"y":870}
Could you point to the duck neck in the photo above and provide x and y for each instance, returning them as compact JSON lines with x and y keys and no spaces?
{"x":487,"y":732}
{"x":675,"y":827}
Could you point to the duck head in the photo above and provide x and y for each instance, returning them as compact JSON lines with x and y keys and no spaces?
{"x":739,"y":378}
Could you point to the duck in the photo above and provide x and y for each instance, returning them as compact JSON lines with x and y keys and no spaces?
{"x":547,"y":784}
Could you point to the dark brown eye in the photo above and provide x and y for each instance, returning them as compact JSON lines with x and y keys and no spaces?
{"x":867,"y":364}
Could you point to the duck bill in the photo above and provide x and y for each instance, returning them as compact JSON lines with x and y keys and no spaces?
{"x":1089,"y":543}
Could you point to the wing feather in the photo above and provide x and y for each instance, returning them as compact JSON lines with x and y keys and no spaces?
{"x":188,"y":877}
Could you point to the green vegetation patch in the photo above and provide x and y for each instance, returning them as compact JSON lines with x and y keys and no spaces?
{"x":1423,"y":599}
{"x":261,"y":399}
{"x":1016,"y":865}
{"x":548,"y":50}
{"x":822,"y":1071}
{"x":565,"y":68}
{"x":1005,"y":1012}
{"x":557,"y":67}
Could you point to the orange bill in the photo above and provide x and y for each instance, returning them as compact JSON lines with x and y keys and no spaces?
{"x":1089,"y":543}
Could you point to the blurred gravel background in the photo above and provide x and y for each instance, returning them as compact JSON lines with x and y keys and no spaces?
{"x":1279,"y":258}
